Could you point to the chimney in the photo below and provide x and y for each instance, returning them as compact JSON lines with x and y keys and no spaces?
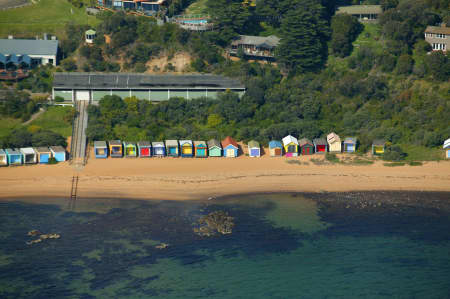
{"x":10,"y":37}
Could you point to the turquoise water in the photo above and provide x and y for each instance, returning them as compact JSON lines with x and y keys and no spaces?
{"x":282,"y":246}
{"x":194,"y":21}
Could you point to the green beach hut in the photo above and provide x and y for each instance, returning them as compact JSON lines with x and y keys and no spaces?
{"x":214,"y":148}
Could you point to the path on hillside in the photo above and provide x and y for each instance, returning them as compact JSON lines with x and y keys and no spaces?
{"x":34,"y":116}
{"x":79,"y":140}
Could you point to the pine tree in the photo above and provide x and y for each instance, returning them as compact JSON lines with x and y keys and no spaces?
{"x":230,"y":16}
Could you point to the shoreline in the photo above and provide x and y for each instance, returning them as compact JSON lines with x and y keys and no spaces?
{"x":190,"y":179}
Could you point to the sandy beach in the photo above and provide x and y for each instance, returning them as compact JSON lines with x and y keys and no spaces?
{"x":191,"y":178}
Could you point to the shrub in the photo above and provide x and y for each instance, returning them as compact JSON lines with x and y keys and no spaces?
{"x":59,"y":99}
{"x":52,"y":160}
{"x":332,"y":157}
{"x":394,"y":153}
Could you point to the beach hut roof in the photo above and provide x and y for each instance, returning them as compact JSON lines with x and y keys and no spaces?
{"x":11,"y":151}
{"x":127,"y":143}
{"x":100,"y":144}
{"x":253,"y":143}
{"x":183,"y":142}
{"x":199,"y":143}
{"x":304,"y":141}
{"x":379,"y":142}
{"x":214,"y":143}
{"x":350,"y":140}
{"x":144,"y":144}
{"x":290,"y":139}
{"x":42,"y":150}
{"x":229,"y":141}
{"x":275,"y":144}
{"x":319,"y":141}
{"x":57,"y":149}
{"x":158,"y":144}
{"x":447,"y":143}
{"x":115,"y":142}
{"x":333,"y":137}
{"x":27,"y":150}
{"x":171,"y":143}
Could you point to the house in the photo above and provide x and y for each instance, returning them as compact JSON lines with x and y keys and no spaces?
{"x":334,"y":143}
{"x":378,"y":147}
{"x":438,"y":37}
{"x":201,"y":149}
{"x":130,"y":149}
{"x":214,"y":148}
{"x":90,"y":36}
{"x":100,"y":149}
{"x":275,"y":148}
{"x":290,"y":144}
{"x":320,"y":145}
{"x":230,"y":147}
{"x":186,"y":148}
{"x":28,"y":52}
{"x":14,"y":156}
{"x":59,"y":153}
{"x":3,"y":158}
{"x":306,"y":146}
{"x":254,"y":150}
{"x":172,"y":148}
{"x":115,"y":149}
{"x":447,"y":148}
{"x":144,"y":149}
{"x":28,"y":155}
{"x":44,"y":154}
{"x":146,"y":7}
{"x":364,"y":13}
{"x":257,"y":47}
{"x":350,"y":145}
{"x":158,"y":149}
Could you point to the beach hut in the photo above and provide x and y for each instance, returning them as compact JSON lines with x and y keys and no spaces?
{"x":115,"y":149}
{"x":320,"y":145}
{"x":100,"y":149}
{"x":172,"y":148}
{"x":130,"y":149}
{"x":14,"y":156}
{"x":28,"y":155}
{"x":59,"y":153}
{"x":350,"y":145}
{"x":3,"y":158}
{"x":214,"y":148}
{"x":43,"y":154}
{"x":334,"y":143}
{"x":254,"y":150}
{"x":378,"y":147}
{"x":201,"y":149}
{"x":230,"y":147}
{"x":290,"y":144}
{"x":144,"y":149}
{"x":186,"y":148}
{"x":306,"y":146}
{"x":158,"y":149}
{"x":447,"y":148}
{"x":275,"y":148}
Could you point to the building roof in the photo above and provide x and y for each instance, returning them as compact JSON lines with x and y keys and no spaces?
{"x":57,"y":148}
{"x":350,"y":140}
{"x":443,"y":29}
{"x":158,"y":144}
{"x":199,"y":143}
{"x":319,"y":141}
{"x":360,"y":9}
{"x":27,"y":150}
{"x":171,"y":142}
{"x":188,"y":142}
{"x":115,"y":142}
{"x":128,"y":143}
{"x":229,"y":141}
{"x":42,"y":150}
{"x":131,"y":80}
{"x":333,"y":137}
{"x":447,"y":143}
{"x":90,"y":32}
{"x":28,"y":46}
{"x":14,"y":151}
{"x":144,"y":144}
{"x":305,"y":141}
{"x":275,"y":144}
{"x":100,"y":144}
{"x":214,"y":143}
{"x":379,"y":142}
{"x":253,"y":143}
{"x":290,"y":139}
{"x":269,"y":42}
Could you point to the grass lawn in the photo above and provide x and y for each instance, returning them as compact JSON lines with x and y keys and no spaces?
{"x":421,"y":153}
{"x":369,"y":37}
{"x":7,"y":124}
{"x":198,"y":7}
{"x":48,"y":16}
{"x":53,"y":119}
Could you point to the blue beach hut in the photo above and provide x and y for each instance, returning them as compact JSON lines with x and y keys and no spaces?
{"x":275,"y":148}
{"x":14,"y":156}
{"x":172,"y":148}
{"x":100,"y":149}
{"x":44,"y":154}
{"x":350,"y":145}
{"x":158,"y":149}
{"x":230,"y":147}
{"x":59,"y":153}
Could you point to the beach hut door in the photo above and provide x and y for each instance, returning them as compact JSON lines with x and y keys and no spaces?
{"x":278,"y":151}
{"x":291,"y":148}
{"x":254,"y":152}
{"x":230,"y":152}
{"x":201,"y":152}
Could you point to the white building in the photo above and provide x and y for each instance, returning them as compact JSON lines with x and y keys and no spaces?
{"x":37,"y":51}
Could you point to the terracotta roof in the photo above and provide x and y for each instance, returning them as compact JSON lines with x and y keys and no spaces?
{"x":227,"y":141}
{"x":436,"y":29}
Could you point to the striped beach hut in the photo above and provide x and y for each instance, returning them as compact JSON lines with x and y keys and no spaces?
{"x":447,"y":148}
{"x":334,"y":143}
{"x":214,"y":148}
{"x":158,"y":149}
{"x":378,"y":147}
{"x":201,"y":149}
{"x":59,"y":153}
{"x":230,"y":147}
{"x":43,"y":154}
{"x":290,"y":144}
{"x":320,"y":145}
{"x":3,"y":158}
{"x":14,"y":156}
{"x":186,"y":148}
{"x":275,"y":148}
{"x":144,"y":149}
{"x":100,"y":149}
{"x":115,"y":149}
{"x":254,"y":150}
{"x":172,"y":148}
{"x":130,"y":149}
{"x":306,"y":146}
{"x":28,"y":155}
{"x":350,"y":145}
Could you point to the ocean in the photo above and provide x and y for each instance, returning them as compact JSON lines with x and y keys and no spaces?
{"x":289,"y":245}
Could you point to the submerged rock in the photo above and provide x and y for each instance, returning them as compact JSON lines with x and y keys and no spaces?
{"x":213,"y":223}
{"x":41,"y":237}
{"x":162,"y":246}
{"x":34,"y":232}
